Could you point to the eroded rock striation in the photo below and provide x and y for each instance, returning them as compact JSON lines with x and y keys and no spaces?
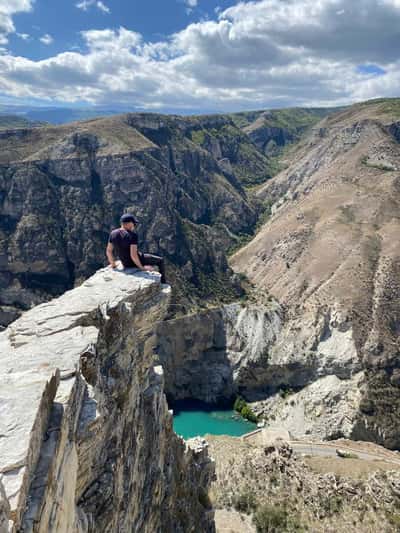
{"x":307,"y":380}
{"x":86,"y":438}
{"x":213,"y":355}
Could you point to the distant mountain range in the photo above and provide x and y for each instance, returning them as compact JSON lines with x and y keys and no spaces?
{"x":56,"y":115}
{"x":63,"y":115}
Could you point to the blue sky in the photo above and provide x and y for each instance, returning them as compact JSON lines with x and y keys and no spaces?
{"x":63,"y":21}
{"x":198,"y":55}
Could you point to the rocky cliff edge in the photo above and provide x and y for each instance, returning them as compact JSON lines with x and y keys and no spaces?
{"x":86,"y":438}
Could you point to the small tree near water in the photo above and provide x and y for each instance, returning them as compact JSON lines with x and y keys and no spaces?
{"x":241,"y":407}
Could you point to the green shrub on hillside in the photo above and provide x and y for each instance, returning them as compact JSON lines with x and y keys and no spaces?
{"x":239,"y":404}
{"x":246,"y":412}
{"x":241,"y":407}
{"x":198,"y":136}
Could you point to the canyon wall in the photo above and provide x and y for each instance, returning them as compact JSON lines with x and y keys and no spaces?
{"x":327,"y":365}
{"x":215,"y":354}
{"x":330,"y":255}
{"x":86,"y":438}
{"x":62,"y":189}
{"x":305,"y":378}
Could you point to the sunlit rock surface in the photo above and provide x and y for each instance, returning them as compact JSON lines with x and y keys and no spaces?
{"x":86,"y":439}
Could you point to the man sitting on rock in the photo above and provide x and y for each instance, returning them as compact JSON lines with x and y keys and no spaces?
{"x":123,"y":241}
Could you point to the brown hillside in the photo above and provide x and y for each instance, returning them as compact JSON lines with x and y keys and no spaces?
{"x":332,"y":246}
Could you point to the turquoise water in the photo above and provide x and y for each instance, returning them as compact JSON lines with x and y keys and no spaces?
{"x":194,"y":418}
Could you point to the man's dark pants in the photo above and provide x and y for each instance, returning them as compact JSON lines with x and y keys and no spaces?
{"x":154,"y":260}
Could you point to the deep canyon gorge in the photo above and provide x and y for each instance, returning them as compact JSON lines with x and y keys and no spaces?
{"x":284,"y":264}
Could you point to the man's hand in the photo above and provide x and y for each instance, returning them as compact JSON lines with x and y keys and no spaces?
{"x":149,"y":268}
{"x":110,"y":255}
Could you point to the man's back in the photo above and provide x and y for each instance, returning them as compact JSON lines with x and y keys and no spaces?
{"x":122,"y":240}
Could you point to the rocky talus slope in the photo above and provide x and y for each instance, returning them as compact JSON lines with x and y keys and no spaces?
{"x":86,"y":439}
{"x":281,"y":492}
{"x":330,"y":256}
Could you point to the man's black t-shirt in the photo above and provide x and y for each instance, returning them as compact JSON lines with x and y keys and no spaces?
{"x":122,"y":239}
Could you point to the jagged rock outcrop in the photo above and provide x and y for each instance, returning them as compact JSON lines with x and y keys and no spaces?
{"x":215,"y":354}
{"x":86,"y":438}
{"x":330,"y":256}
{"x":277,"y":486}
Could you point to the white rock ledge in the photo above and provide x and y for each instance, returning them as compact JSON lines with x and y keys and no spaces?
{"x":75,"y":375}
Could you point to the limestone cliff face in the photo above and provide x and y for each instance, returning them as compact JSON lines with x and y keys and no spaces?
{"x":63,"y":188}
{"x":305,"y":380}
{"x":86,"y":436}
{"x":215,"y":354}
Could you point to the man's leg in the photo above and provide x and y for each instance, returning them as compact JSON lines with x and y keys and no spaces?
{"x":154,"y":260}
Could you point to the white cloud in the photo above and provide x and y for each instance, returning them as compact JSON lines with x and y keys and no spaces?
{"x":86,"y":4}
{"x":23,"y":36}
{"x":103,"y":7}
{"x":46,"y":39}
{"x":8,"y":8}
{"x":256,"y":54}
{"x":108,"y":40}
{"x":190,"y":5}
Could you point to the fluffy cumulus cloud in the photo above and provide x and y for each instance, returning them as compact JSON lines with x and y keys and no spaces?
{"x":23,"y":36}
{"x":256,"y":54}
{"x":8,"y":8}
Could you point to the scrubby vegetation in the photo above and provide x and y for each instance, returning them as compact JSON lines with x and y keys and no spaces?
{"x":290,"y":118}
{"x":276,"y":519}
{"x":265,"y":209}
{"x":282,"y":492}
{"x":242,"y":407}
{"x":245,"y":502}
{"x":389,"y":106}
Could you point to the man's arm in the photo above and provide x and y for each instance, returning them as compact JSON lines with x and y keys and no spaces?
{"x":135,"y":256}
{"x":110,"y":254}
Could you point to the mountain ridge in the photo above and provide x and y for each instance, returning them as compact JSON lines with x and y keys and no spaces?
{"x":329,"y":254}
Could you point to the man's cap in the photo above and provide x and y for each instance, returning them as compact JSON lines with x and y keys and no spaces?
{"x":128,"y":217}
